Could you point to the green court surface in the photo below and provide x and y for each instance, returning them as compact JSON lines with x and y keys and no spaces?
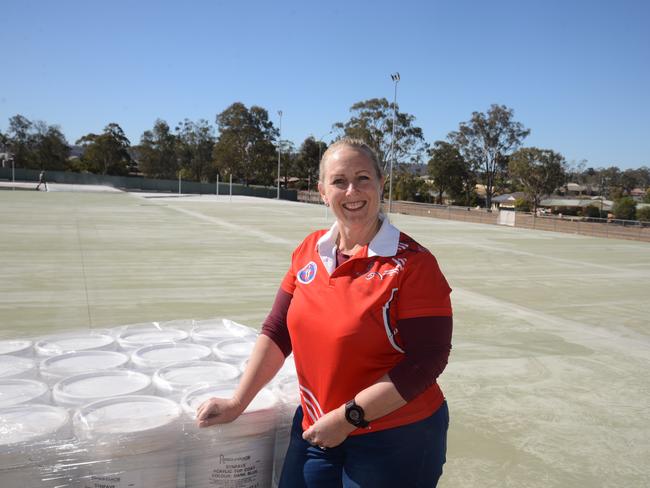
{"x":547,"y":384}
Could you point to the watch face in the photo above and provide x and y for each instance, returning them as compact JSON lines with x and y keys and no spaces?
{"x":354,"y":415}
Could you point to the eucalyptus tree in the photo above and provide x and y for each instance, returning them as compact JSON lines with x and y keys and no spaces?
{"x":245,"y":146}
{"x":540,"y":172}
{"x":486,"y":141}
{"x":372,"y":121}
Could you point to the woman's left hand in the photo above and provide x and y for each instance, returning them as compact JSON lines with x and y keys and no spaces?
{"x":329,"y":430}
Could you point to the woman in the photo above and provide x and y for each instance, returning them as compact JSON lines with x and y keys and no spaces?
{"x":366,"y":311}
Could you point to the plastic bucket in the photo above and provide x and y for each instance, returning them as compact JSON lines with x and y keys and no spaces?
{"x":233,"y":351}
{"x":150,"y":358}
{"x":209,"y":332}
{"x":84,"y":388}
{"x":236,"y":454}
{"x":59,"y":344}
{"x":17,"y":367}
{"x":55,"y":368}
{"x":33,"y":438}
{"x":15,"y":392}
{"x":133,"y":338}
{"x":171,"y":381}
{"x":130,"y":442}
{"x":17,"y":347}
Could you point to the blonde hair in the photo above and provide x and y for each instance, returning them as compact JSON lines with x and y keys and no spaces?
{"x":356,"y":144}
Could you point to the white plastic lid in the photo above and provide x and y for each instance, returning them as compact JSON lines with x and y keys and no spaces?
{"x":15,"y":392}
{"x":24,"y":425}
{"x":173,"y":379}
{"x":134,"y":338}
{"x":212,"y":331}
{"x":16,"y":347}
{"x":17,"y":367}
{"x":84,"y":388}
{"x":150,"y":358}
{"x":258,"y":417}
{"x":60,"y":344}
{"x":233,"y":351}
{"x":71,"y":363}
{"x":129,"y":425}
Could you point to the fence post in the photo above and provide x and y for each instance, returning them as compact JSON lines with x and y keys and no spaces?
{"x":217,"y":192}
{"x":231,"y":187}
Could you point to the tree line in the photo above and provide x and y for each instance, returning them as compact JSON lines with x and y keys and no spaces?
{"x":487,"y":149}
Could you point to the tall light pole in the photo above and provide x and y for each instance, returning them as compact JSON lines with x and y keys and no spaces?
{"x":395,"y":78}
{"x":279,"y":150}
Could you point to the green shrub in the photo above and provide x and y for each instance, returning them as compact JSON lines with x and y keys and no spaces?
{"x":592,"y":212}
{"x":522,"y":205}
{"x":625,"y":209}
{"x":643,"y":214}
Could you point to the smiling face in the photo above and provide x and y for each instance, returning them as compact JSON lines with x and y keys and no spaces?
{"x":351,"y":186}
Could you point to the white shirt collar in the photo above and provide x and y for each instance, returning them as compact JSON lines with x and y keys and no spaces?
{"x":383,"y":244}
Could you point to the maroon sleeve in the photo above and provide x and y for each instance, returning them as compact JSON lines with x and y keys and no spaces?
{"x":275,"y":325}
{"x":426,"y":342}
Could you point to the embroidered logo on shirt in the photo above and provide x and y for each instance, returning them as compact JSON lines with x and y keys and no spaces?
{"x":399,"y":262}
{"x":307,"y":274}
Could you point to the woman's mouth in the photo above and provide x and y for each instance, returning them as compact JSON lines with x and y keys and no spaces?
{"x":352,"y":206}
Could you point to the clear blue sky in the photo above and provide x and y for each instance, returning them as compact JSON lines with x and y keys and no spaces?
{"x":577,"y":73}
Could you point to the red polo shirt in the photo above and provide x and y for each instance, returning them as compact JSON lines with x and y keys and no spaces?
{"x":341,"y":319}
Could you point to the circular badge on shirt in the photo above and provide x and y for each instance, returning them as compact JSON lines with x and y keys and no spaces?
{"x":307,"y":274}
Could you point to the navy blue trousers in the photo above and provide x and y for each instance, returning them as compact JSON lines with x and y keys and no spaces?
{"x":408,"y":456}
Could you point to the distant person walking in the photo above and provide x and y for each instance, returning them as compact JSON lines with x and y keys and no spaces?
{"x":41,"y":181}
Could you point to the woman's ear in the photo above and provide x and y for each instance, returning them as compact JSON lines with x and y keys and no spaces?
{"x":321,"y":190}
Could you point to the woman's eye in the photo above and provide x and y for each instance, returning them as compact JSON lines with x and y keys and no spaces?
{"x":337,"y":181}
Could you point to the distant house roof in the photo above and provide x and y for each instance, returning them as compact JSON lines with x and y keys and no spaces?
{"x":574,"y":187}
{"x":637,"y":192}
{"x":575,"y":203}
{"x":566,"y":202}
{"x":509,"y":197}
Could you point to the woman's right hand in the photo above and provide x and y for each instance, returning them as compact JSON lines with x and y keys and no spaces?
{"x":218,"y":411}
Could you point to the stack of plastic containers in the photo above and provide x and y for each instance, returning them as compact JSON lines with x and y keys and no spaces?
{"x":132,"y":392}
{"x":131,"y":441}
{"x":236,"y":454}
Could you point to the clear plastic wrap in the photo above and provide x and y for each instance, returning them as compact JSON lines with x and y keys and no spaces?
{"x":125,"y":418}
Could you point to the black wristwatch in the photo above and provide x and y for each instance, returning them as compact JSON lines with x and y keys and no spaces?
{"x":354,"y":414}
